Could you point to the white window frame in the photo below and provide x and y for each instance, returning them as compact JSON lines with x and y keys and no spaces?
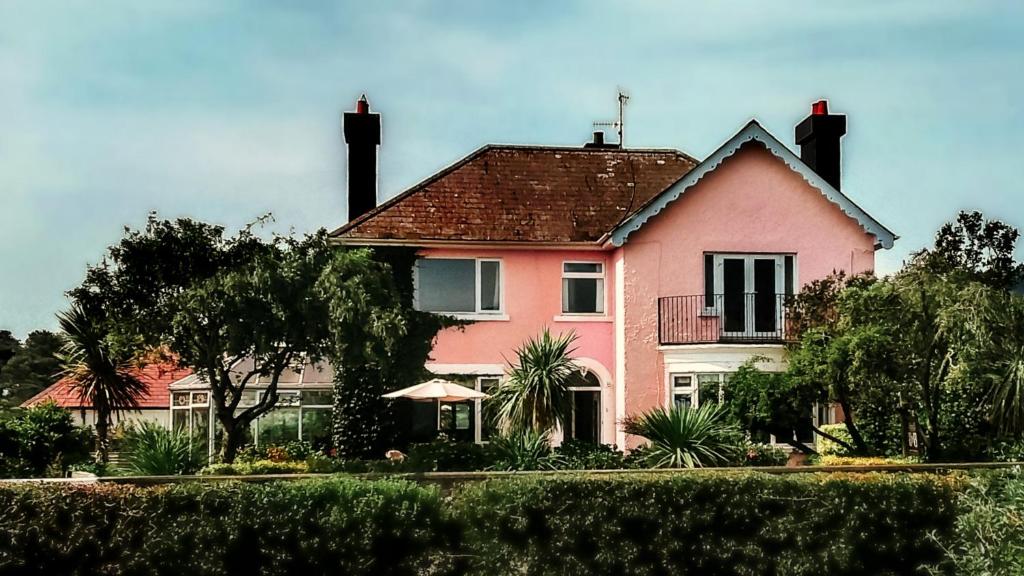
{"x":478,"y":313}
{"x":602,"y":301}
{"x":297,"y":392}
{"x":674,"y":389}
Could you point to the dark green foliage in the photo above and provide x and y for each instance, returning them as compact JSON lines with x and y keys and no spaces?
{"x":523,"y":450}
{"x":706,"y":523}
{"x":446,"y":456}
{"x":40,"y":441}
{"x":766,"y":403}
{"x":682,"y":523}
{"x":336,"y":526}
{"x":989,"y":537}
{"x":30,"y":367}
{"x":981,"y":248}
{"x":757,"y":454}
{"x":379,"y":343}
{"x":577,"y":455}
{"x":150,"y":449}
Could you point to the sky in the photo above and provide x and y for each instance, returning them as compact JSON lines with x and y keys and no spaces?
{"x":226,"y":110}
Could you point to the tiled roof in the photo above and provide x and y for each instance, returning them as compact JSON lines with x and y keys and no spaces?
{"x":157,"y":378}
{"x":506,"y":193}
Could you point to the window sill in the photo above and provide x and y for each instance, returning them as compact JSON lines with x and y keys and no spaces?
{"x":476,"y":316}
{"x":582,"y":318}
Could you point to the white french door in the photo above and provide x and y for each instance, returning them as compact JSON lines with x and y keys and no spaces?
{"x":748,"y":289}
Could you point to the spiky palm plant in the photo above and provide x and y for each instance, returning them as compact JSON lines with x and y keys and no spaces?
{"x":152,"y":450}
{"x":523,"y":450}
{"x":102,"y":379}
{"x":536,"y":396}
{"x":683,"y":437}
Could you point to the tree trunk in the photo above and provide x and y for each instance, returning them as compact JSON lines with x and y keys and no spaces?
{"x":860,"y":447}
{"x":102,"y":441}
{"x":234,"y":433}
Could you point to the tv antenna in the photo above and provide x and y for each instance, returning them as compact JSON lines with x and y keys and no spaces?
{"x":619,"y":124}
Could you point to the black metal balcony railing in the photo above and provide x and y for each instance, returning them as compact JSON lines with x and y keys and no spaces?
{"x":721,"y":318}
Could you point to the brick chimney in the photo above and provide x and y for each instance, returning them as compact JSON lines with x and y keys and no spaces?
{"x":818,"y":136}
{"x":362,"y":134}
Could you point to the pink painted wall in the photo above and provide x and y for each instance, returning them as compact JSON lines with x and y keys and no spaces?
{"x":533,"y":298}
{"x":752,"y":203}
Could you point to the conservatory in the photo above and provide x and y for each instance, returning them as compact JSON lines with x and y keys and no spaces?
{"x":303,"y":410}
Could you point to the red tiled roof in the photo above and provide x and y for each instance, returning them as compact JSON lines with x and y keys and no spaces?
{"x":157,"y":378}
{"x":525,"y":194}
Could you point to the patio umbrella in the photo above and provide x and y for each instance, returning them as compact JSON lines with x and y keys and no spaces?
{"x":437,"y":389}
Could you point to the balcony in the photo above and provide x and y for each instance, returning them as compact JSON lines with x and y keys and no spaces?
{"x":746,"y":318}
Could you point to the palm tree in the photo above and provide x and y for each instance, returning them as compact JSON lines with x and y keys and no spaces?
{"x":536,"y":394}
{"x":684,"y":437}
{"x":103,"y":379}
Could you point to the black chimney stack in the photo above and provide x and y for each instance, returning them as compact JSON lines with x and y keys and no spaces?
{"x":818,"y":137}
{"x":362,"y":134}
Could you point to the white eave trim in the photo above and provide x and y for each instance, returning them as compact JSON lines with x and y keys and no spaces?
{"x":753,"y":131}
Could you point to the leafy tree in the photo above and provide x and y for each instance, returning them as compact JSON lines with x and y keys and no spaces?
{"x":372,"y":322}
{"x":32,"y":367}
{"x":232,"y":308}
{"x":775,"y":403}
{"x":536,"y":396}
{"x":41,"y":440}
{"x":103,"y":378}
{"x":981,"y":249}
{"x":9,"y":345}
{"x":239,"y":309}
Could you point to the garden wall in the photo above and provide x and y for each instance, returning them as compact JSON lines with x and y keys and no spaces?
{"x":722,"y":523}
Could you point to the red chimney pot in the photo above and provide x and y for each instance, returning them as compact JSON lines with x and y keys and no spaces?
{"x":819,"y":108}
{"x":362,"y":106}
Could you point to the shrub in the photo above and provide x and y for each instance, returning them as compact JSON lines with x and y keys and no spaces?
{"x":989,"y":537}
{"x":295,"y":451}
{"x":330,"y":526}
{"x":577,"y":455}
{"x":683,"y":437}
{"x":523,"y":450}
{"x":257,"y":467}
{"x":863,"y":460}
{"x":757,"y":454}
{"x":444,"y":455}
{"x":1008,"y":451}
{"x":152,"y":450}
{"x":827,"y":447}
{"x":706,"y":523}
{"x":42,"y":440}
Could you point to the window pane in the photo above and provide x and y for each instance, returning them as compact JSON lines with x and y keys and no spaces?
{"x":708,"y":388}
{"x":201,"y":425}
{"x":316,"y":426}
{"x":489,"y":426}
{"x":180,"y":399}
{"x":445,"y":285}
{"x":317,"y":398}
{"x":179,"y":420}
{"x":682,"y":381}
{"x":582,"y":295}
{"x":591,"y":267}
{"x":709,"y":281}
{"x":490,"y":285}
{"x":279,"y":426}
{"x":682,"y":399}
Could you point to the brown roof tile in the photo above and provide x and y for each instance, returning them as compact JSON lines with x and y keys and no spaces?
{"x":525,"y":194}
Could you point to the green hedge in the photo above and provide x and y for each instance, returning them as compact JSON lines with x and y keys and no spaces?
{"x":720,"y":523}
{"x":335,"y":526}
{"x":681,"y":523}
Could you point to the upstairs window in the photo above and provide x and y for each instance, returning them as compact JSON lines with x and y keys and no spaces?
{"x":583,"y":288}
{"x":458,"y":285}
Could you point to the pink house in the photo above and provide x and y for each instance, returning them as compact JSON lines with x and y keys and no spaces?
{"x":671,"y":271}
